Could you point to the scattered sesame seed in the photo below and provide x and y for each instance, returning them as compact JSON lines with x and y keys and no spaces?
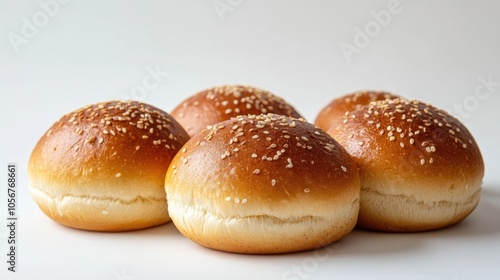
{"x":343,"y":168}
{"x":307,"y":190}
{"x":273,"y":182}
{"x":91,"y":139}
{"x":256,"y":171}
{"x":118,"y":175}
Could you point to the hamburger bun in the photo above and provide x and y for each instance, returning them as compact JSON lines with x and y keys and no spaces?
{"x":262,"y":185}
{"x":102,"y":167}
{"x":420,"y":168}
{"x":338,"y":107}
{"x":221,"y":103}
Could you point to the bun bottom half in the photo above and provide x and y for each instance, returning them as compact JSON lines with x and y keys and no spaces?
{"x":102,"y":213}
{"x":414,"y":209}
{"x":263,"y":233}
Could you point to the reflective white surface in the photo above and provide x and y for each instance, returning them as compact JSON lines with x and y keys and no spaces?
{"x":445,"y":53}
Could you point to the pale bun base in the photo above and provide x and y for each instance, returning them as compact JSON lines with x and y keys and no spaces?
{"x":264,"y":233}
{"x":102,"y":213}
{"x":387,"y":209}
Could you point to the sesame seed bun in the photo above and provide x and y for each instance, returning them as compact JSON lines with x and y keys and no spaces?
{"x":263,"y":184}
{"x":221,"y":103}
{"x":102,"y":167}
{"x":340,"y":106}
{"x":420,"y":167}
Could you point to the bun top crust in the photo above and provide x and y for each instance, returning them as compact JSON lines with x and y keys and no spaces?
{"x":221,"y":103}
{"x":254,"y":165}
{"x":338,"y":107}
{"x":410,"y":141}
{"x":122,"y":143}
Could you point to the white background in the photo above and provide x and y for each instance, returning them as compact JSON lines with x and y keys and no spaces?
{"x":90,"y":51}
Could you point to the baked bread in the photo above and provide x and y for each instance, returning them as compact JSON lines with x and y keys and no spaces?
{"x":338,"y":107}
{"x":420,"y":168}
{"x":262,"y":185}
{"x":221,"y":103}
{"x":102,"y":167}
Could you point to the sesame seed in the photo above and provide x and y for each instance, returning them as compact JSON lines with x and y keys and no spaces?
{"x":244,"y":200}
{"x":100,"y":140}
{"x":402,"y":144}
{"x":412,"y":141}
{"x":343,"y":168}
{"x":118,"y":175}
{"x":76,"y":148}
{"x":273,"y":182}
{"x":228,"y":199}
{"x":254,"y":155}
{"x":145,"y":137}
{"x":228,"y":111}
{"x":91,"y":139}
{"x":256,"y":171}
{"x":236,"y":200}
{"x":431,"y":160}
{"x":185,"y":160}
{"x":307,"y":190}
{"x":137,"y":148}
{"x":422,"y":161}
{"x":392,"y":138}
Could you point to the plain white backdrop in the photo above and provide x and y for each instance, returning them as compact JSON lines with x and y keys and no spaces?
{"x":56,"y":56}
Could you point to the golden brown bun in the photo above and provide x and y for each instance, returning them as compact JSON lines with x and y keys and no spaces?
{"x":338,"y":107}
{"x":420,"y":167}
{"x":221,"y":103}
{"x":102,"y":167}
{"x":263,"y":184}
